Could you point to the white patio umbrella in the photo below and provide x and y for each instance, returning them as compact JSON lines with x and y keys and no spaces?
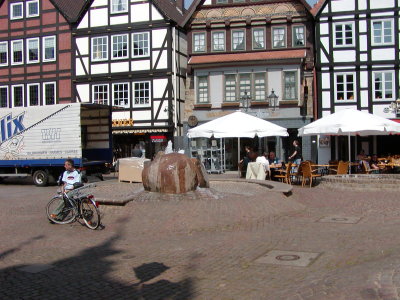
{"x":351,"y":122}
{"x":237,"y":124}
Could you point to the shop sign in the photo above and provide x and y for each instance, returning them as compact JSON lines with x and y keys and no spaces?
{"x":122,"y":122}
{"x":158,"y":138}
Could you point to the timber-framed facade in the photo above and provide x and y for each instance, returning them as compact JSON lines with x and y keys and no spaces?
{"x":132,"y":55}
{"x":357,"y":64}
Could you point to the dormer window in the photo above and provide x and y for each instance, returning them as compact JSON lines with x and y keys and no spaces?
{"x":16,"y":11}
{"x":119,"y":6}
{"x":32,"y":8}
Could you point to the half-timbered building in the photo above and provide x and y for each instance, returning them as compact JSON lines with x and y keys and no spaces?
{"x":357,"y":63}
{"x":239,"y":53}
{"x":36,"y":51}
{"x":132,"y":55}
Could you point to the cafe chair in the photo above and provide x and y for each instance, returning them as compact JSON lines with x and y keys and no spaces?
{"x":342,"y":168}
{"x":366,"y":169}
{"x":308,"y":173}
{"x":285,"y":174}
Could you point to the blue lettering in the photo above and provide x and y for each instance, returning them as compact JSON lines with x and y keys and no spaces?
{"x":10,"y":126}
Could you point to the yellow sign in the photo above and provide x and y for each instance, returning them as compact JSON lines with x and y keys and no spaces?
{"x":122,"y":122}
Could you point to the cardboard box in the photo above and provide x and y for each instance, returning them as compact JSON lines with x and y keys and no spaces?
{"x":130,"y":169}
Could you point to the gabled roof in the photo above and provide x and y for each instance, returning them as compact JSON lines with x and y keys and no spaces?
{"x":317,"y":7}
{"x":72,"y":10}
{"x":170,"y":9}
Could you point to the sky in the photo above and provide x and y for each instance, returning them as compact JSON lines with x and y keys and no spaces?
{"x":188,"y":2}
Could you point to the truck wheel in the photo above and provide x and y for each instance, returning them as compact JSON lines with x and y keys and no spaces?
{"x":40,"y":178}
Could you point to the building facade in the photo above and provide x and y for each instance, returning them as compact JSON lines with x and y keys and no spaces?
{"x":132,"y":55}
{"x":36,"y":52}
{"x":357,"y":63}
{"x":241,"y":51}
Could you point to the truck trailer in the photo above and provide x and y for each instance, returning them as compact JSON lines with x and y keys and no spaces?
{"x":36,"y":141}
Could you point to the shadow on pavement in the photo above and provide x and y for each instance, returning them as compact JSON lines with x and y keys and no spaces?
{"x":88,"y":275}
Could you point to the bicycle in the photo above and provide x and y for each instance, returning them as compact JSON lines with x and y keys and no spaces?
{"x":76,"y":205}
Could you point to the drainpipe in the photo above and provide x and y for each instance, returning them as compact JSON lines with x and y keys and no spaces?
{"x":315,"y":95}
{"x":174,"y":81}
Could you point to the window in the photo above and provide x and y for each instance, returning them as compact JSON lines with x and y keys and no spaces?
{"x":259,"y":87}
{"x":202,"y":89}
{"x":222,"y":1}
{"x":238,"y":40}
{"x":383,"y":85}
{"x":18,"y":95}
{"x":49,"y":48}
{"x":118,"y":6}
{"x":230,"y":87}
{"x":218,"y":41}
{"x":32,"y":8}
{"x":279,"y":37}
{"x":32,"y":51}
{"x":382,"y":32}
{"x":121,"y":94}
{"x":33,"y":94}
{"x":3,"y":54}
{"x":3,"y":96}
{"x":345,"y":87}
{"x":120,"y":46}
{"x":298,"y":36}
{"x":238,"y":0}
{"x":99,"y":48}
{"x":141,"y":44}
{"x":17,"y":52}
{"x":142,"y":93}
{"x":199,"y":42}
{"x":100,"y":94}
{"x":343,"y":34}
{"x":16,"y":11}
{"x":49,"y":93}
{"x":258,"y":38}
{"x":290,"y":87}
{"x":244,"y":85}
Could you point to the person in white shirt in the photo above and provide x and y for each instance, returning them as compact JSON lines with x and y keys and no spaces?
{"x":263,"y":159}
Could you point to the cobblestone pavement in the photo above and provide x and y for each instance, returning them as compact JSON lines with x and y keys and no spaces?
{"x":203,"y":245}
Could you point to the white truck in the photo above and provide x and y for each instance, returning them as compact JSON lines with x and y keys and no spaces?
{"x":35,"y":141}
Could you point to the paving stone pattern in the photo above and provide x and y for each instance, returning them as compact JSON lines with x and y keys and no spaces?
{"x":203,"y":245}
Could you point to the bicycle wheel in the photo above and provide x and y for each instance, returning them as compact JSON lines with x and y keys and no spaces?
{"x":66,"y":215}
{"x":90,"y":213}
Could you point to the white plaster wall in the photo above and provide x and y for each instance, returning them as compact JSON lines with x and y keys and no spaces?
{"x":117,"y":115}
{"x":159,"y":86}
{"x":326,"y":83}
{"x":163,"y":62}
{"x":326,"y":100}
{"x":364,"y":79}
{"x":375,"y":4}
{"x":98,"y":17}
{"x":83,"y":92}
{"x":162,"y":114}
{"x":343,"y":5}
{"x":344,"y":56}
{"x":140,"y":65}
{"x":364,"y":98}
{"x":83,"y":45}
{"x":84,"y":23}
{"x":383,"y":54}
{"x":324,"y":28}
{"x":99,"y":68}
{"x":140,"y":12}
{"x":99,"y":3}
{"x":155,"y":14}
{"x":363,"y":57}
{"x":115,"y":20}
{"x":119,"y":67}
{"x":363,"y":42}
{"x":141,"y":115}
{"x":79,"y":67}
{"x":362,"y":25}
{"x":377,"y":109}
{"x":274,"y":81}
{"x":158,"y":37}
{"x":362,"y":4}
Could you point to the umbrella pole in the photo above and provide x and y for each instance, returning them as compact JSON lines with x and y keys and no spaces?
{"x":349,"y":153}
{"x":239,"y":156}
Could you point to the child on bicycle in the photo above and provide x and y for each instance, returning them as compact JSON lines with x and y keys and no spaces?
{"x":69,"y":177}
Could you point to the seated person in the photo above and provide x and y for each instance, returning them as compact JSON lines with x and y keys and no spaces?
{"x":69,"y":177}
{"x":272,"y":158}
{"x":263,"y":159}
{"x":373,"y":163}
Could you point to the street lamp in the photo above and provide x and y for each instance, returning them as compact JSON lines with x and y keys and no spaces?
{"x":273,"y":100}
{"x":245,"y":101}
{"x":394,"y":107}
